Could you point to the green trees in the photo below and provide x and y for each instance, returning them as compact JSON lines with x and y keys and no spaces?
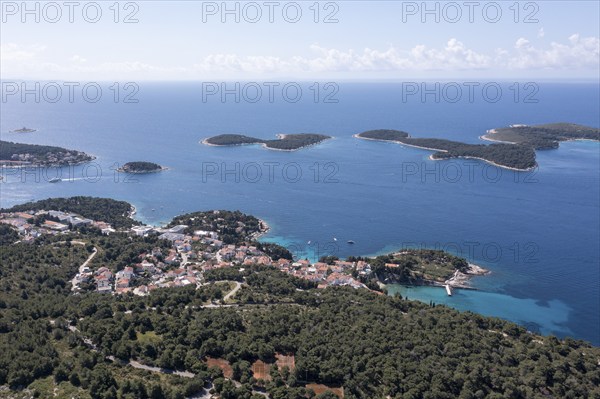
{"x":103,"y":209}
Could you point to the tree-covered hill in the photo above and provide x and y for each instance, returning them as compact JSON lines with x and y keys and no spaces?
{"x":40,"y":155}
{"x":115,"y":212}
{"x":545,"y":136}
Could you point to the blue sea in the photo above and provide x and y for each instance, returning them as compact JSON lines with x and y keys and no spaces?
{"x":538,"y":232}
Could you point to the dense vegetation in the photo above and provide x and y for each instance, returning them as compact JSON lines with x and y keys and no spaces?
{"x":103,"y":209}
{"x":287,"y":142}
{"x":140,"y":167}
{"x":43,"y":155}
{"x":8,"y":234}
{"x":384,"y":134}
{"x":543,"y":137}
{"x":232,"y":226}
{"x":508,"y":155}
{"x":417,"y":266}
{"x":233,"y":139}
{"x":374,"y":346}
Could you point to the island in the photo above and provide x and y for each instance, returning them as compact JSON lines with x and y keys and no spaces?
{"x":170,"y":312}
{"x":19,"y":154}
{"x":542,"y":137}
{"x":23,"y":130}
{"x":509,"y":156}
{"x":284,"y":142}
{"x":141,"y":167}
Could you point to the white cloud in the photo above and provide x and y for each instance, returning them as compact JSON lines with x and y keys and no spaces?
{"x":454,"y":56}
{"x":14,"y":52}
{"x":577,"y":53}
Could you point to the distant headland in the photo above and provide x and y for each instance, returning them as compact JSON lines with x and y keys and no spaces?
{"x":23,"y":130}
{"x":19,"y":155}
{"x":141,"y":167}
{"x":510,"y":156}
{"x":542,"y":137}
{"x":284,"y":142}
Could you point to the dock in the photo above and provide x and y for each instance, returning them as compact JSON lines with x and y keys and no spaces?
{"x":448,"y":289}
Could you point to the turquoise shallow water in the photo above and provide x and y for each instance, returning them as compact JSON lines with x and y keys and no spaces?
{"x":537,"y":232}
{"x":544,"y":317}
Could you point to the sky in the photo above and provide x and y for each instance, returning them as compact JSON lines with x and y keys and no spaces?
{"x":303,"y":40}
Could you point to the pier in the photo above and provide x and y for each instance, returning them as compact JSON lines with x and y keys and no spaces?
{"x":448,"y":289}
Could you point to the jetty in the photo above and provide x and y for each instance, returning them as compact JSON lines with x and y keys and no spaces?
{"x":448,"y":289}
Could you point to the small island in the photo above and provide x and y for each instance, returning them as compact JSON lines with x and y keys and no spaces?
{"x":19,"y":155}
{"x":140,"y":167}
{"x":510,"y":156}
{"x":542,"y":137}
{"x":23,"y":130}
{"x":284,"y":142}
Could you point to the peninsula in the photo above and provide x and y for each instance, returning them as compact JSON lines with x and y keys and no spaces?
{"x":510,"y":156}
{"x":19,"y":154}
{"x":542,"y":137}
{"x":284,"y":142}
{"x":95,"y":307}
{"x":141,"y":167}
{"x":425,"y":267}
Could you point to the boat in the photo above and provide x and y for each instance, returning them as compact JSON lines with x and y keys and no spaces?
{"x":350,"y":241}
{"x":334,"y":239}
{"x":54,"y":180}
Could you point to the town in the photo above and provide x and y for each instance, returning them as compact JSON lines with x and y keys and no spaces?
{"x":182,"y":262}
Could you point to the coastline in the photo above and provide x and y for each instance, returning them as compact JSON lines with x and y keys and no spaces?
{"x":463,"y":280}
{"x":459,"y":280}
{"x":264,"y":229}
{"x":20,"y":165}
{"x":431,"y":157}
{"x":487,"y":161}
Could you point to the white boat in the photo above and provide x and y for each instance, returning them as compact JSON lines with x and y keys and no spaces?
{"x":334,"y":239}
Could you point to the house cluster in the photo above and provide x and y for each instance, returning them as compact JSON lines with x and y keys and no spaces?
{"x":190,"y":255}
{"x":339,"y":273}
{"x":183,"y":263}
{"x":28,"y":231}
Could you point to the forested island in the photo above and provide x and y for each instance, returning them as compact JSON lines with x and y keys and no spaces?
{"x":141,"y":167}
{"x":542,"y":137}
{"x":19,"y":154}
{"x":253,"y":332}
{"x":284,"y":142}
{"x":520,"y":157}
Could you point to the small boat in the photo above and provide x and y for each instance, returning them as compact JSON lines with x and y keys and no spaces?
{"x":308,"y":242}
{"x":350,"y":241}
{"x":54,"y":180}
{"x":153,"y":209}
{"x":334,"y":239}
